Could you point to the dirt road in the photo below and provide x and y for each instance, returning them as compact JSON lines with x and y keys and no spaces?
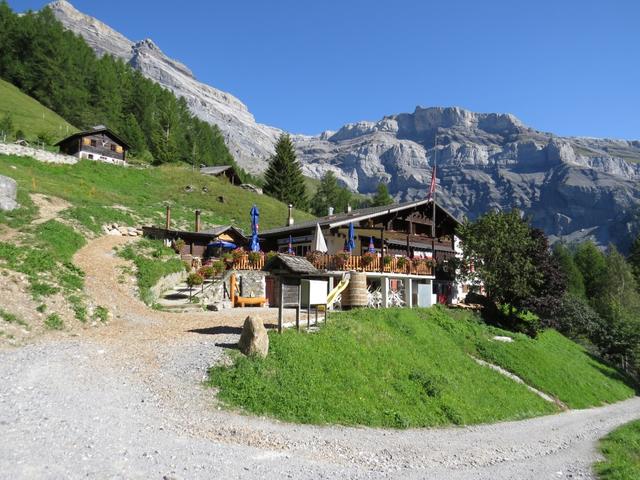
{"x":126,"y":401}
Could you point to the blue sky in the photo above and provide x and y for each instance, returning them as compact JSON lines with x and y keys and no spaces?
{"x":565,"y":66}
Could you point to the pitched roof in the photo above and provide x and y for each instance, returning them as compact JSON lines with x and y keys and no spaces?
{"x":291,"y":263}
{"x":220,"y":229}
{"x":332,"y":221}
{"x":94,"y":130}
{"x":215,"y":170}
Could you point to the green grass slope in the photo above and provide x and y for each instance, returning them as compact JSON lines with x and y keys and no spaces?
{"x":99,"y":193}
{"x":621,"y":449}
{"x":409,"y":368}
{"x":31,"y":116}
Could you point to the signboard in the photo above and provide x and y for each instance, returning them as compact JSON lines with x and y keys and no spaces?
{"x":313,"y":292}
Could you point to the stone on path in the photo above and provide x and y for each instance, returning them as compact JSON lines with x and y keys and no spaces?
{"x":254,"y":339}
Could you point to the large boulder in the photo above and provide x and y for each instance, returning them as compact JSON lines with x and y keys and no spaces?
{"x":254,"y":339}
{"x":8,"y":194}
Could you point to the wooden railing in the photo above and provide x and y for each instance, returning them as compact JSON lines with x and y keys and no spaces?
{"x":375,"y":264}
{"x":350,"y":262}
{"x":243,"y":263}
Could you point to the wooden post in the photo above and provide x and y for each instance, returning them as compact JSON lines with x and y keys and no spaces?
{"x":168,"y":218}
{"x":382,"y":250}
{"x":280,"y":306}
{"x":298,"y":308}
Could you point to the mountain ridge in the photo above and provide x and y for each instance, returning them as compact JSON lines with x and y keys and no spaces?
{"x":572,"y":187}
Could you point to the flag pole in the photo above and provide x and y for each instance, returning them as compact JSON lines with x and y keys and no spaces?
{"x":433,"y":195}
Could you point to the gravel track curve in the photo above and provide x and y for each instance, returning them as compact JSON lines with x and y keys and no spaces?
{"x":126,"y":401}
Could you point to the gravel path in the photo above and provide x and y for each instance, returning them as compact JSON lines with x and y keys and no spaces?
{"x":126,"y":401}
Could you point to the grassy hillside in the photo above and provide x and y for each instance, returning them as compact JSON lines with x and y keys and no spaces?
{"x":96,"y":194}
{"x":101,"y":193}
{"x":412,"y":368}
{"x":31,"y":116}
{"x":621,"y":449}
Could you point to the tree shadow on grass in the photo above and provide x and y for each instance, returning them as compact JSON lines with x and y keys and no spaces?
{"x":610,"y":370}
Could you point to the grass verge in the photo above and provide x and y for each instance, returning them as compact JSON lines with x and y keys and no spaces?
{"x":621,"y":449}
{"x":153,"y":261}
{"x":398,"y":368}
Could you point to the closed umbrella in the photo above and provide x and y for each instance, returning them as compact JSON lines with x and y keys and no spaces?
{"x":318,"y":243}
{"x":372,"y":248}
{"x":351,"y":239}
{"x":255,"y":225}
{"x":290,"y":250}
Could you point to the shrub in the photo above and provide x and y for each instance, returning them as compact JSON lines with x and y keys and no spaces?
{"x":271,"y":254}
{"x":218,"y":267}
{"x":101,"y":313}
{"x":178,"y":245}
{"x":368,"y":258}
{"x":40,"y":289}
{"x":227,"y":257}
{"x":207,"y":271}
{"x":576,"y":318}
{"x":522,"y":321}
{"x":386,"y":260}
{"x":54,"y":322}
{"x":237,"y":253}
{"x":342,"y":258}
{"x":313,"y":257}
{"x":402,"y":262}
{"x":194,"y":279}
{"x":254,"y":257}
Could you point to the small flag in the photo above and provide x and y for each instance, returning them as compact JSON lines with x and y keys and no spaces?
{"x":432,"y":187}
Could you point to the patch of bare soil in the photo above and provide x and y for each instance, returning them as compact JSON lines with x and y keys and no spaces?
{"x":28,"y":315}
{"x":48,"y":207}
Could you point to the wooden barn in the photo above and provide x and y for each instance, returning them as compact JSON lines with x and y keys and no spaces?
{"x":99,"y":144}
{"x":223,"y":171}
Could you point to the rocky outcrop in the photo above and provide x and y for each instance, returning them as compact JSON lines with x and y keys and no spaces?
{"x":250,"y":143}
{"x":8,"y":194}
{"x":254,"y":340}
{"x":573,"y":188}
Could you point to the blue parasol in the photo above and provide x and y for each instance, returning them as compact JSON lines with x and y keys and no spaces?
{"x":372,"y":248}
{"x":255,"y":224}
{"x":350,"y":246}
{"x":221,"y":244}
{"x":290,"y":250}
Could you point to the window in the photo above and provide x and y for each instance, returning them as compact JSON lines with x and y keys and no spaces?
{"x":94,"y":143}
{"x":86,"y":141}
{"x":118,"y":149}
{"x":90,"y":156}
{"x":113,"y":147}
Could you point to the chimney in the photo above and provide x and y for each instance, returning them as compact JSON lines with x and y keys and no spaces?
{"x":290,"y":219}
{"x":330,"y":211}
{"x":348,"y":208}
{"x":197,"y":221}
{"x":168,"y":221}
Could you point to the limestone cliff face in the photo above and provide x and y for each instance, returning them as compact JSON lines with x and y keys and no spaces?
{"x":572,"y":187}
{"x":250,"y":143}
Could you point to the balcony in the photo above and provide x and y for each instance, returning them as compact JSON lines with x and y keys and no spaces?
{"x":373,"y":264}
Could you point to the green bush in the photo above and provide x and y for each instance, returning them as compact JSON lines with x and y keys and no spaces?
{"x":101,"y":313}
{"x":54,"y":322}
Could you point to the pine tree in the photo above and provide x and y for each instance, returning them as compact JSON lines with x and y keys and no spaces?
{"x":330,"y":194}
{"x":283,"y":179}
{"x":591,"y":263}
{"x":382,"y":197}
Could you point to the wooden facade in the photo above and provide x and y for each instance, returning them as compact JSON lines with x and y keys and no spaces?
{"x":401,"y":230}
{"x":99,"y":144}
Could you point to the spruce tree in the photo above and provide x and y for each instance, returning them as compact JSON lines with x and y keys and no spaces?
{"x":330,"y":194}
{"x":283,"y":179}
{"x":382,"y":197}
{"x":634,"y":259}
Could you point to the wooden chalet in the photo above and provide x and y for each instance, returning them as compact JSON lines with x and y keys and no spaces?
{"x":405,"y":248}
{"x":99,"y":144}
{"x":196,"y":242}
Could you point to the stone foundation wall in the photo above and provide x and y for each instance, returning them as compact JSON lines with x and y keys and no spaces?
{"x":165,"y":283}
{"x":252,"y":283}
{"x":38,"y":154}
